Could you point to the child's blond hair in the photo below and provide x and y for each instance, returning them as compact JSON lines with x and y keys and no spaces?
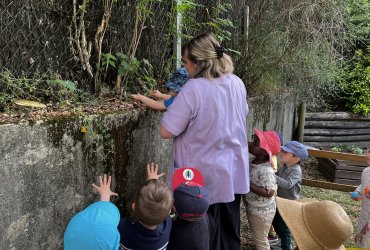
{"x":153,"y":202}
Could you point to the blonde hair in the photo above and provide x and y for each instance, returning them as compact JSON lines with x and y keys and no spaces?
{"x":202,"y":51}
{"x":153,"y":202}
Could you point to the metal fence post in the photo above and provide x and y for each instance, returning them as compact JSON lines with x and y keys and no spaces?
{"x":177,"y":42}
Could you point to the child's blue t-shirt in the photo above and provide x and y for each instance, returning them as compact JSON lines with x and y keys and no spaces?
{"x":137,"y":237}
{"x":169,"y":101}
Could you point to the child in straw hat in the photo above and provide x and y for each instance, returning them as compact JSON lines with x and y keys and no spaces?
{"x":315,"y":224}
{"x":363,"y":230}
{"x":260,"y":201}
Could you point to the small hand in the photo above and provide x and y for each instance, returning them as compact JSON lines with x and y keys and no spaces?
{"x":155,"y":93}
{"x":104,"y":188}
{"x":153,"y":172}
{"x":358,"y":238}
{"x":136,"y":96}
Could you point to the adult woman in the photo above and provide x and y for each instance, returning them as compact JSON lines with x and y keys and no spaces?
{"x":208,"y":123}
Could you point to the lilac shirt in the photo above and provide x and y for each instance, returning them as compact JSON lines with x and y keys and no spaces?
{"x":208,"y":119}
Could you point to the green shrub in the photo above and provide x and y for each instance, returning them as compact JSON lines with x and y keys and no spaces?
{"x":38,"y":87}
{"x":355,"y":82}
{"x":347,"y":149}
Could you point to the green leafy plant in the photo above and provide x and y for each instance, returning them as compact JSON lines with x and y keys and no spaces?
{"x":38,"y":87}
{"x":355,"y":82}
{"x":215,"y":21}
{"x":138,"y":73}
{"x":347,"y":149}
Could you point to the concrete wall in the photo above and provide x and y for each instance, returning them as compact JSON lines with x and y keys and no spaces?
{"x":46,"y":168}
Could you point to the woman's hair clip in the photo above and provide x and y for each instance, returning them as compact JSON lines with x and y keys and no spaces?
{"x":219,"y":51}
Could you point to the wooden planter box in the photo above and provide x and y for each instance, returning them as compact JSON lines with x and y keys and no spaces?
{"x":342,"y":171}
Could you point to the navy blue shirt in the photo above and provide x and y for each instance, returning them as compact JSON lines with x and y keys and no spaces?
{"x":189,"y":235}
{"x":137,"y":237}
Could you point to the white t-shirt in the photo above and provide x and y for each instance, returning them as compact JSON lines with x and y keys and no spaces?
{"x":261,"y":175}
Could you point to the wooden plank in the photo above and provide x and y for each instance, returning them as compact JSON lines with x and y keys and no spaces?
{"x":348,"y":138}
{"x":345,"y":174}
{"x":360,"y":165}
{"x":351,"y":167}
{"x":327,"y":170}
{"x":347,"y":181}
{"x":337,"y":124}
{"x":362,"y":144}
{"x":328,"y":185}
{"x":337,"y":155}
{"x":335,"y":116}
{"x":336,"y":131}
{"x":328,"y":163}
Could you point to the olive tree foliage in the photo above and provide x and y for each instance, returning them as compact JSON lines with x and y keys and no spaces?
{"x":292,"y":46}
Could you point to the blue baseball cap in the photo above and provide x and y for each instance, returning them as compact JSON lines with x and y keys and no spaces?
{"x":191,"y":200}
{"x":296,"y":148}
{"x":177,"y":80}
{"x":281,"y":138}
{"x":94,"y":228}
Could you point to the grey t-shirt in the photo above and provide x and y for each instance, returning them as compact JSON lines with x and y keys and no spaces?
{"x":289,"y":182}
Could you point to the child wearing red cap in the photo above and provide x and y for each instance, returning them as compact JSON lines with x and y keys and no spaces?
{"x":190,"y":229}
{"x":260,"y":201}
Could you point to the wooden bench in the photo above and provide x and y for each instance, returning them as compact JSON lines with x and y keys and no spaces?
{"x":340,"y":167}
{"x":328,"y":129}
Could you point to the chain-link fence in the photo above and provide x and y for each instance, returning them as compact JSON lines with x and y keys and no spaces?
{"x":38,"y":35}
{"x":41,"y":35}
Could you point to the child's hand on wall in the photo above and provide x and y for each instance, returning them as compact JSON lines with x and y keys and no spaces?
{"x":104,"y":188}
{"x":156,"y":93}
{"x":153,"y":172}
{"x":136,"y":96}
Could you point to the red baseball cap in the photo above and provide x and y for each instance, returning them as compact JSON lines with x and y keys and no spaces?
{"x":269,"y":141}
{"x":190,"y":176}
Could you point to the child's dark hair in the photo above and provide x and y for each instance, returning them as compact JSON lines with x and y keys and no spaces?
{"x":256,"y":141}
{"x":153,"y":202}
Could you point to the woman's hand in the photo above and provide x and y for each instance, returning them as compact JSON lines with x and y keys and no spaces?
{"x":104,"y":188}
{"x":153,"y":172}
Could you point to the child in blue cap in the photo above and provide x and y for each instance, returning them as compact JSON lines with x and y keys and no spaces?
{"x":174,"y":84}
{"x":288,"y":178}
{"x":95,"y":227}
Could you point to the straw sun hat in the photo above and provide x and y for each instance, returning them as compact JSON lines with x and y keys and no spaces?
{"x":315,"y":224}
